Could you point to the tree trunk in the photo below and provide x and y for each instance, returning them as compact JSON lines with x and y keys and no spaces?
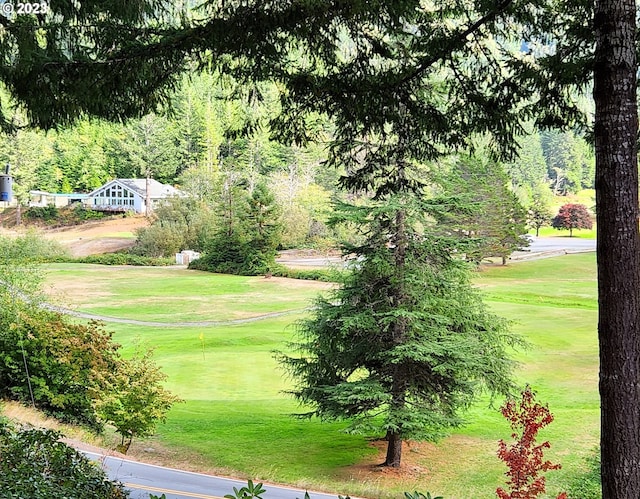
{"x":18,"y":214}
{"x":399,"y":382}
{"x":618,"y":246}
{"x":394,"y":449}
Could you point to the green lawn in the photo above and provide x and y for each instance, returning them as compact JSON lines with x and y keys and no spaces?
{"x":577,"y":233}
{"x":174,"y":294}
{"x":236,"y":417}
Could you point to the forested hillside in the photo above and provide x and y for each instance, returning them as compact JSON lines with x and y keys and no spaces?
{"x":214,"y":143}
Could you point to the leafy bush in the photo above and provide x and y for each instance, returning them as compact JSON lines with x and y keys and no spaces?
{"x":45,"y":213}
{"x":31,"y":247}
{"x":35,"y":464}
{"x":67,"y":364}
{"x":524,"y":458}
{"x":135,"y":402}
{"x":256,"y":491}
{"x":125,"y":259}
{"x":159,"y":240}
{"x":323,"y":275}
{"x":275,"y":270}
{"x":82,"y":213}
{"x":179,"y":224}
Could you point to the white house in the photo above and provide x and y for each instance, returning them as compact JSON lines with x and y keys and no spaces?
{"x":130,"y":194}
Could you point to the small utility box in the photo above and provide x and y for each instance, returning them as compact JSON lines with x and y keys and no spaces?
{"x":6,"y":188}
{"x":187,"y":256}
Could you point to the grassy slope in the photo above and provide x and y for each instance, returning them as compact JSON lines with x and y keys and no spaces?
{"x":236,"y":417}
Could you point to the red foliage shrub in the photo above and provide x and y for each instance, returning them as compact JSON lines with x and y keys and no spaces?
{"x":524,"y":458}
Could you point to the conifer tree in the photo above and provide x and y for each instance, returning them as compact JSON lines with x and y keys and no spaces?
{"x":493,"y":221}
{"x":405,"y":343}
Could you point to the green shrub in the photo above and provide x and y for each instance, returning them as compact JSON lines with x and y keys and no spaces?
{"x":135,"y":401}
{"x":34,"y":463}
{"x":323,"y":275}
{"x":125,"y":259}
{"x":31,"y":247}
{"x":82,"y":213}
{"x":178,"y":224}
{"x":160,"y":240}
{"x":45,"y":213}
{"x":69,"y":364}
{"x":276,"y":270}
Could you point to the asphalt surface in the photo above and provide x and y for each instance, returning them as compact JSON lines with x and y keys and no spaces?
{"x":144,"y":479}
{"x":540,"y":247}
{"x":543,"y":247}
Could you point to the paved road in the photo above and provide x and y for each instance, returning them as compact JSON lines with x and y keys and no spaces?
{"x":144,"y":479}
{"x":540,"y":247}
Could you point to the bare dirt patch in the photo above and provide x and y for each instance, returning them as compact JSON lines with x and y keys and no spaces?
{"x":100,"y":236}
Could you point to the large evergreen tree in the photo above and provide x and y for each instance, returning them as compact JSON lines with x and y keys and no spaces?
{"x":493,"y":222}
{"x":247,"y":234}
{"x":405,"y":343}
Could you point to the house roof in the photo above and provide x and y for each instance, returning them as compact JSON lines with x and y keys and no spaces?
{"x":139,"y":186}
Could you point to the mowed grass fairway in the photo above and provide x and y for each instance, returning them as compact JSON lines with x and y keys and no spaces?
{"x":174,"y":294}
{"x":236,"y":418}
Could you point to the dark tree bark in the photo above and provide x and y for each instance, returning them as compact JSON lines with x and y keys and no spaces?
{"x":618,"y":249}
{"x":399,"y":388}
{"x":394,"y":449}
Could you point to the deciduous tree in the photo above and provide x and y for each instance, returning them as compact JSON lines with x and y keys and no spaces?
{"x":525,"y":457}
{"x":135,"y":401}
{"x":572,"y":216}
